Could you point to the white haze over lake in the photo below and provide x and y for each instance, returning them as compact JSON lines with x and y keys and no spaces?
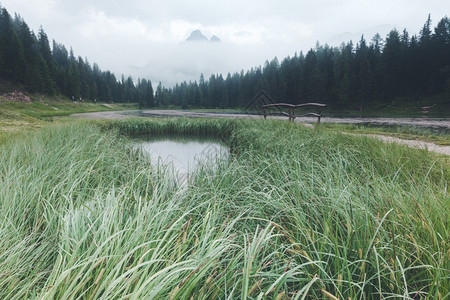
{"x":146,"y":39}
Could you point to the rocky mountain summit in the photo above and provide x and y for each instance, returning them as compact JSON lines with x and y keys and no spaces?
{"x":215,"y":39}
{"x":197,"y":36}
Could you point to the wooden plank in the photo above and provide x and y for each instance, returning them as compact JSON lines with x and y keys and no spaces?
{"x":310,"y":114}
{"x":292,"y":105}
{"x":311,"y":104}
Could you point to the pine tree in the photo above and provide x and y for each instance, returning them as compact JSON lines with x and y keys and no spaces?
{"x":48,"y":73}
{"x":392,"y":64}
{"x":11,"y":56}
{"x":313,"y":79}
{"x":441,"y":55}
{"x":363,"y":90}
{"x":270,"y":78}
{"x":72,"y":85}
{"x":32,"y":75}
{"x":425,"y":64}
{"x":425,"y":32}
{"x":149,"y":99}
{"x":345,"y":75}
{"x":159,"y":95}
{"x":376,"y":75}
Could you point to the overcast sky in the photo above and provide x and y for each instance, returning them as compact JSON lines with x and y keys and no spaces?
{"x":145,"y":38}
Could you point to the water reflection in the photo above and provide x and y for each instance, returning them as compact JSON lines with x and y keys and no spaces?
{"x":184,"y":153}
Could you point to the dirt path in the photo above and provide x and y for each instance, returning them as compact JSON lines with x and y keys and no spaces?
{"x":112,"y":115}
{"x":443,"y":124}
{"x":410,"y":143}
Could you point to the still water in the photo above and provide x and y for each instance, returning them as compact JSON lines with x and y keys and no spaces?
{"x":184,"y":153}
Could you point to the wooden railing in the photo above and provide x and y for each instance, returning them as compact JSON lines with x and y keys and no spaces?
{"x":291,"y":110}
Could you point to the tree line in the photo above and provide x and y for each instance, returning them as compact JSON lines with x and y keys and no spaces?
{"x":26,"y":58}
{"x":399,"y":68}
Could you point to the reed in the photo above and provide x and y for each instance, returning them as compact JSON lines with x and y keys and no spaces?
{"x":295,"y":213}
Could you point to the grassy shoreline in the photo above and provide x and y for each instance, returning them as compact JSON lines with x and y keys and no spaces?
{"x":18,"y":116}
{"x":296,"y":212}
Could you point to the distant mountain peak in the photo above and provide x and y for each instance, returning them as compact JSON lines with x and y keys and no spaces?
{"x":215,"y":39}
{"x":197,"y":36}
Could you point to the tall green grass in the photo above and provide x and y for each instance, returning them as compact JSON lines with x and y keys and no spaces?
{"x":295,"y":213}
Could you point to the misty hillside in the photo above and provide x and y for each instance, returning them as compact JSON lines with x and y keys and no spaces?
{"x":27,"y":60}
{"x":398,"y":68}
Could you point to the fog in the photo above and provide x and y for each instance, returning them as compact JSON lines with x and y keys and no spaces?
{"x":146,"y":39}
{"x":177,"y":62}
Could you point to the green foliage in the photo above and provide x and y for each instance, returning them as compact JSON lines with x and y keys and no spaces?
{"x":12,"y":55}
{"x":28,"y":60}
{"x":221,"y":129}
{"x":295,"y":213}
{"x":381,"y":72}
{"x":397,"y":67}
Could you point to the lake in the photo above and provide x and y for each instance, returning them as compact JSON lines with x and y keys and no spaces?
{"x":183,"y":153}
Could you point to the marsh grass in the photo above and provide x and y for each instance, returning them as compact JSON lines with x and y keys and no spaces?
{"x":295,"y":213}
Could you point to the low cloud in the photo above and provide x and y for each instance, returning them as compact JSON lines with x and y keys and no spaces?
{"x":172,"y":63}
{"x":146,"y":38}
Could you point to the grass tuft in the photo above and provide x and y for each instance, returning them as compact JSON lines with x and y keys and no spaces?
{"x":295,"y":213}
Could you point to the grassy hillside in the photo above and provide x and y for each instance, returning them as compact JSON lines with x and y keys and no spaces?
{"x":19,"y":115}
{"x":296,"y":213}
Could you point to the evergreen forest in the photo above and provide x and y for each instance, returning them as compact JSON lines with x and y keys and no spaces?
{"x":26,"y":58}
{"x":396,"y":69}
